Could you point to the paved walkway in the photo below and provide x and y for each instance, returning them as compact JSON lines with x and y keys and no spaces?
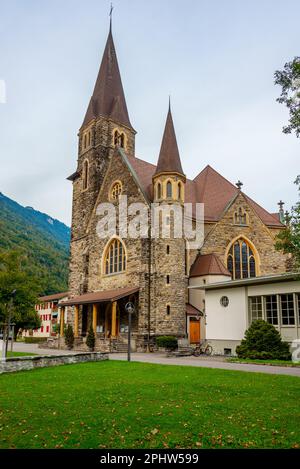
{"x":206,"y":362}
{"x":160,"y":358}
{"x":33,"y":348}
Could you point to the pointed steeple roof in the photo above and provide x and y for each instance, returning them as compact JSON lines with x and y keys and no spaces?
{"x":108,"y":98}
{"x":169,"y":159}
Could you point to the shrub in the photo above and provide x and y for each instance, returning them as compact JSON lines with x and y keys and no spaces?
{"x":167,"y":341}
{"x":91,"y":339}
{"x":263,"y":342}
{"x":69,"y":337}
{"x":34,"y":340}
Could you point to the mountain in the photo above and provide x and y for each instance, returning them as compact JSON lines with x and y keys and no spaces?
{"x":44,"y":240}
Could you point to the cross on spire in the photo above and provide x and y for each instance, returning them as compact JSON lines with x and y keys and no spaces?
{"x":239,"y":185}
{"x":281,"y":204}
{"x":110,"y":15}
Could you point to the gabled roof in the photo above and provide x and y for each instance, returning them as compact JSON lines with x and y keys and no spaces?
{"x":208,"y":264}
{"x":209,"y":188}
{"x":55,"y":296}
{"x":100,"y":296}
{"x":108,"y":98}
{"x":169,"y":159}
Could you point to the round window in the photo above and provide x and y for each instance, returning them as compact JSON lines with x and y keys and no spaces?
{"x":224,"y":301}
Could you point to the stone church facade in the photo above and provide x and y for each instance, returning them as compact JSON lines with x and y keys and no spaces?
{"x":154,"y":274}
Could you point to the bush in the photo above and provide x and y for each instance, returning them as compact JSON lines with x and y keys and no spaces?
{"x":167,"y":341}
{"x":91,"y":339}
{"x":263,"y":342}
{"x":69,"y":337}
{"x":34,"y":340}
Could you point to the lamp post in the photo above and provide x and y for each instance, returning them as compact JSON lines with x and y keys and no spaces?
{"x":130,"y":309}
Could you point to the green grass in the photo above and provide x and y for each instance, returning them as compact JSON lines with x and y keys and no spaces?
{"x":116,"y":404}
{"x":264,"y":362}
{"x":20,"y":354}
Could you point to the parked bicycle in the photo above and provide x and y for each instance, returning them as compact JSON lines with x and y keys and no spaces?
{"x":204,"y":348}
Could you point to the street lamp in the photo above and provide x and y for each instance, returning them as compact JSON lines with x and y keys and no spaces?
{"x":130,"y":309}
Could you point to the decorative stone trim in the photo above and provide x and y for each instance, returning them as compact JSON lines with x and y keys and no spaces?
{"x":42,"y":361}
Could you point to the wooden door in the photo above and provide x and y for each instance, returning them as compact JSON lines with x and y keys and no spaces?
{"x":194,"y":331}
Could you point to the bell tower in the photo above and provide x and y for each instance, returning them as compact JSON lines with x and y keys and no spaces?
{"x":106,"y":125}
{"x":169,"y":251}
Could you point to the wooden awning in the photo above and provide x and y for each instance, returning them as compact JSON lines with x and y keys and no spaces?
{"x":100,"y":296}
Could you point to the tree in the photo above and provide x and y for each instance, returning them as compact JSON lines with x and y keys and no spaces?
{"x":263,"y":341}
{"x":91,"y":339}
{"x":14,"y":276}
{"x":288,"y":240}
{"x":69,"y":337}
{"x":289,"y":80}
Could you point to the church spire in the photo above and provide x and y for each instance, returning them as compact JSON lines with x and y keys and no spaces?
{"x":108,"y":99}
{"x":169,"y":158}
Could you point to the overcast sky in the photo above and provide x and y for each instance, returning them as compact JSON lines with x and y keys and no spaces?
{"x":215,"y":57}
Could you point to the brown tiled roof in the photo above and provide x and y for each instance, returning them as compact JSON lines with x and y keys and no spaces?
{"x":56,"y":296}
{"x":100,"y":296}
{"x":191,"y":310}
{"x":108,"y":98}
{"x":209,"y":188}
{"x":208,"y":264}
{"x":169,"y":159}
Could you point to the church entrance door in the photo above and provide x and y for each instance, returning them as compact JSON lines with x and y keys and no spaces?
{"x":194,"y":331}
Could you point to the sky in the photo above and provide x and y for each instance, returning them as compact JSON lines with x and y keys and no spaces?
{"x":216,"y":58}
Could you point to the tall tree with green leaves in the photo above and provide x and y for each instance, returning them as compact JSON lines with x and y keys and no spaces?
{"x":288,"y":240}
{"x":289,"y":80}
{"x":14,"y":276}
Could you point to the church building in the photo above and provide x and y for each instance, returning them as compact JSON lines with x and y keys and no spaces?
{"x":155,"y":274}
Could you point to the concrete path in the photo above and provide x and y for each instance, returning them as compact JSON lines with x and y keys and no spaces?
{"x":206,"y":362}
{"x":160,"y":358}
{"x":33,"y":348}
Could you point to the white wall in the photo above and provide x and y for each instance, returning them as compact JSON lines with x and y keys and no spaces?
{"x":273,"y":288}
{"x":226,"y":323}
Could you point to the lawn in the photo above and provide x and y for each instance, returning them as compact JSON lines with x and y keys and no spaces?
{"x":136,"y":405}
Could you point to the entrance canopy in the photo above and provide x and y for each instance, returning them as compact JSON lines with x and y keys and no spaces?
{"x":100,"y":296}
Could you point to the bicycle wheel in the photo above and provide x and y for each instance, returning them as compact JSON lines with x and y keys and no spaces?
{"x":208,"y":350}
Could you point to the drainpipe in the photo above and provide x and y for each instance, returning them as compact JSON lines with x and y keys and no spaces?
{"x":149,"y":287}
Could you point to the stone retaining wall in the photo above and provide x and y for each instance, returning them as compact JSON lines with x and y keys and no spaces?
{"x":41,"y":361}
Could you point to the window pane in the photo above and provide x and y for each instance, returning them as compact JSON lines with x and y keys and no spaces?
{"x":230,"y":264}
{"x":271,"y":309}
{"x":287,"y":310}
{"x":169,"y":189}
{"x":255,"y":308}
{"x":245,"y":260}
{"x":237,"y":261}
{"x":252,"y":267}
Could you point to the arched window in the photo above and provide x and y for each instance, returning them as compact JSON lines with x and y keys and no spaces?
{"x":116,"y":190}
{"x":179,"y":190}
{"x":116,"y":138}
{"x":240,"y":260}
{"x":240,"y":217}
{"x":169,"y":189}
{"x":85,"y":180}
{"x":158,"y":193}
{"x":115,"y":257}
{"x":84,"y":142}
{"x":122,"y":140}
{"x":89,"y":139}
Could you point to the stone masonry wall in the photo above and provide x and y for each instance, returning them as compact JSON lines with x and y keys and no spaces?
{"x":263,"y":238}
